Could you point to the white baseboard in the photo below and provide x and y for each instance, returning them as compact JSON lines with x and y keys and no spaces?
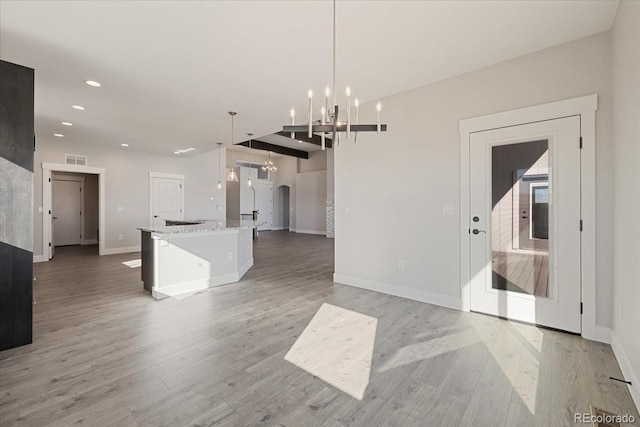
{"x":603,"y":334}
{"x":627,"y":369}
{"x":115,"y":251}
{"x":244,"y":268}
{"x":400,"y":291}
{"x":40,"y":258}
{"x":180,"y":289}
{"x":318,"y":232}
{"x":89,"y":242}
{"x":279,"y":228}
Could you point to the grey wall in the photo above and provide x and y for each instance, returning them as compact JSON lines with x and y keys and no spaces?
{"x":317,"y":161}
{"x":127,"y":186}
{"x":311,"y":191}
{"x":626,"y":207}
{"x":394,"y":184}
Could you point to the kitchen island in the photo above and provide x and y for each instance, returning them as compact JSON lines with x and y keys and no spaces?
{"x":195,"y":255}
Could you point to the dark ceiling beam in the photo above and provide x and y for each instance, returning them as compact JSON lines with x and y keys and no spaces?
{"x":259,"y":145}
{"x":304,"y":137}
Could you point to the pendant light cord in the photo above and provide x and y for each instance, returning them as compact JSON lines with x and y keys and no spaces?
{"x":334,"y":53}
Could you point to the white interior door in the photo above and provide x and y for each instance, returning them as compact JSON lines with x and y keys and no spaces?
{"x":264,"y":202}
{"x":166,"y":199}
{"x":66,"y":212}
{"x":525,"y":223}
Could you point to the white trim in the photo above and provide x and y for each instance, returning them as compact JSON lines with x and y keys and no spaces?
{"x":627,"y":369}
{"x":585,"y":107}
{"x":399,"y":291}
{"x":47,"y":168}
{"x":170,"y":176}
{"x":279,"y":228}
{"x":40,"y":258}
{"x":124,"y":250}
{"x":318,"y":232}
{"x":89,"y":242}
{"x":603,"y":334}
{"x":244,"y":268}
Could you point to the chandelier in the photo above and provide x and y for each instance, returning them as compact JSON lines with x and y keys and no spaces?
{"x":329,"y":117}
{"x":268,"y":165}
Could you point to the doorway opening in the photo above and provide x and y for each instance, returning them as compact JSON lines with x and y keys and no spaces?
{"x":75,"y":215}
{"x":284,"y":208}
{"x":73,"y":207}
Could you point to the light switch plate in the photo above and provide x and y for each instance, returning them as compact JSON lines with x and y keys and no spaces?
{"x":447,"y":210}
{"x":120,"y":209}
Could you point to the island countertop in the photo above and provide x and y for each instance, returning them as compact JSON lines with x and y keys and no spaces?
{"x":202,"y":226}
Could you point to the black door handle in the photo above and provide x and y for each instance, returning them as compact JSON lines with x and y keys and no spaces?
{"x":155,"y":216}
{"x":476,"y":231}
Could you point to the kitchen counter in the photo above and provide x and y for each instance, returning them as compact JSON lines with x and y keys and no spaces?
{"x":187,"y":258}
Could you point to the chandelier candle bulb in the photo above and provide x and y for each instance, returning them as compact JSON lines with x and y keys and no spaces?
{"x":310,"y":113}
{"x":293,"y":121}
{"x":378,"y":110}
{"x":348,"y":93}
{"x":323,"y":113}
{"x":327,"y":95}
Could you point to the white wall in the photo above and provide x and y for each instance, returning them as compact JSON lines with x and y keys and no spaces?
{"x":626,"y":207}
{"x":127,"y":186}
{"x":311,"y":191}
{"x":394,"y":184}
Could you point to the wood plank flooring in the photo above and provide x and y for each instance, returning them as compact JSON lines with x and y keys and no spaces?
{"x":106,"y":354}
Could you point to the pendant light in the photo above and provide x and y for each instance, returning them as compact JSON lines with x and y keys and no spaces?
{"x":249,"y":182}
{"x":232,"y":175}
{"x":219,"y":168}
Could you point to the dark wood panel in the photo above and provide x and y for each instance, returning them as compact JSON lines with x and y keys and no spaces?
{"x":304,"y":137}
{"x":146,"y":271}
{"x":16,"y":114}
{"x":265,"y":146}
{"x":16,"y":267}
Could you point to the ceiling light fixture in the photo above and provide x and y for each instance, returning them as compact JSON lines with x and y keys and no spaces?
{"x":268,"y":165}
{"x":219,"y":169}
{"x":59,"y":135}
{"x":232,"y":175}
{"x":249,"y":182}
{"x":93,"y":83}
{"x":67,"y":123}
{"x":125,"y":145}
{"x":329,"y":118}
{"x":78,"y":107}
{"x":176,"y":152}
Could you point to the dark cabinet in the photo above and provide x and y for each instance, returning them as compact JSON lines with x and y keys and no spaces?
{"x":16,"y":204}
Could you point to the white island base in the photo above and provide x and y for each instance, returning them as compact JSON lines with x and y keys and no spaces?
{"x":185,"y":261}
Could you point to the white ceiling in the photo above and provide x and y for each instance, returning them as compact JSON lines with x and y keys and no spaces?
{"x":172,"y":70}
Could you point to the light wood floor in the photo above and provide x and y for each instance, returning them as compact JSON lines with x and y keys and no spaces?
{"x":106,"y":353}
{"x":521,"y":272}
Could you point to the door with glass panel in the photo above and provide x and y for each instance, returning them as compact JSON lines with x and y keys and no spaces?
{"x":525,"y":223}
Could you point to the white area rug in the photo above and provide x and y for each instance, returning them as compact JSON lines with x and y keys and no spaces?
{"x":133,"y":263}
{"x":337,"y":347}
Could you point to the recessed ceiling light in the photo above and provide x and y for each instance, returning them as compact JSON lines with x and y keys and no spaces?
{"x":300,"y":142}
{"x":59,"y":135}
{"x":176,"y":152}
{"x":125,"y":145}
{"x":93,"y":83}
{"x":78,"y":107}
{"x":67,"y":123}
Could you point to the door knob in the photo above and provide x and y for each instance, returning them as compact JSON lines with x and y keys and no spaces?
{"x":155,"y":216}
{"x":476,"y":231}
{"x":55,"y":217}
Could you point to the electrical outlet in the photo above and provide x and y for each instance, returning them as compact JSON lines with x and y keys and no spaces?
{"x":120,"y":209}
{"x":39,"y":209}
{"x":346,"y":209}
{"x":229,"y":256}
{"x":120,"y":236}
{"x":401,"y":264}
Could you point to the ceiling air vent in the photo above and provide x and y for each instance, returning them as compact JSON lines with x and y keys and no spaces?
{"x":75,"y":159}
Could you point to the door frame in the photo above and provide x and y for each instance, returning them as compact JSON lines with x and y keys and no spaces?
{"x":585,"y":107}
{"x":47,"y":168}
{"x":81,"y":180}
{"x":170,"y":176}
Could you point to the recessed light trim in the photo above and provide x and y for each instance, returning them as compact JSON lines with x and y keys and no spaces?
{"x":78,"y":107}
{"x":93,"y":83}
{"x":67,"y":123}
{"x":59,"y":135}
{"x":184,"y":150}
{"x":125,"y":145}
{"x":176,"y":152}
